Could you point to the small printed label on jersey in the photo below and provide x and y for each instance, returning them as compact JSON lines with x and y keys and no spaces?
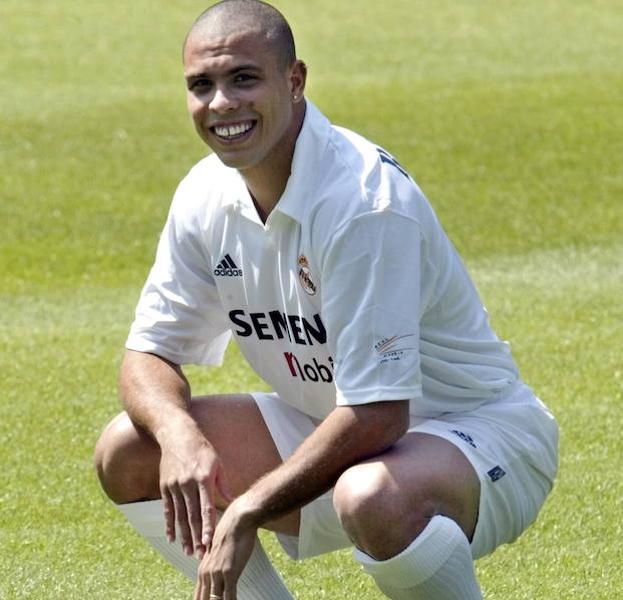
{"x":305,"y":276}
{"x":496,"y":473}
{"x":393,"y":348}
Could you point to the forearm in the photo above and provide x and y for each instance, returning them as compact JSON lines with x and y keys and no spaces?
{"x":155,"y":393}
{"x":347,"y":436}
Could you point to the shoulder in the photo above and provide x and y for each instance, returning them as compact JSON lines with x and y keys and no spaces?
{"x":359,"y":178}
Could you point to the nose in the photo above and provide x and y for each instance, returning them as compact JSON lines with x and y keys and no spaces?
{"x":223,"y":100}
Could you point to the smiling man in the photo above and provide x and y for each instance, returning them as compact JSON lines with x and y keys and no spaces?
{"x":398,"y":423}
{"x":246,"y":94}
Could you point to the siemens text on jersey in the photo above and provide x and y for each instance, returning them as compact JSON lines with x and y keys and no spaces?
{"x":278,"y":325}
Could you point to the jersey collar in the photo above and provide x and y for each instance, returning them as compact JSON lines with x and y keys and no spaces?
{"x":306,"y":164}
{"x":304,"y":176}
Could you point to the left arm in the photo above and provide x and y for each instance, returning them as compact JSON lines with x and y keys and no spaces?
{"x":347,"y":436}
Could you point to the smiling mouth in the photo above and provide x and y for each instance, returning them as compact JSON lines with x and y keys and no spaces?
{"x":233,"y":132}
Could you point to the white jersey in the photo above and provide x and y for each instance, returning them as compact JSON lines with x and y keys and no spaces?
{"x":350,"y":293}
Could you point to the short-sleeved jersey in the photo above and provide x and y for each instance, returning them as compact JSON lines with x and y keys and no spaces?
{"x":350,"y":293}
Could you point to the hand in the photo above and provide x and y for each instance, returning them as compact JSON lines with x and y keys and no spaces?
{"x":232,"y":546}
{"x":191,"y":478}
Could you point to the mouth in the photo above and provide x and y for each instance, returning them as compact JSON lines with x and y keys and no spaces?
{"x":233,"y":132}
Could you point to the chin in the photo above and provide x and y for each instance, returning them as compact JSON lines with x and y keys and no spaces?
{"x":233,"y":162}
{"x":236,"y":160}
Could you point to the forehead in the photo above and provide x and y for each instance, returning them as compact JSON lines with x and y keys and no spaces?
{"x":215,"y":50}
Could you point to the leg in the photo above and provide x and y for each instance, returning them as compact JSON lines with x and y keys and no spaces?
{"x":387,"y":501}
{"x":410,"y":511}
{"x":127,"y":459}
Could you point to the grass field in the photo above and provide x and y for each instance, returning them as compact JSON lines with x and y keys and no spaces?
{"x":509,"y":117}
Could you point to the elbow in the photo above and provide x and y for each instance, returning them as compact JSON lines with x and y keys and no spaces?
{"x":386,"y":422}
{"x":399,"y":425}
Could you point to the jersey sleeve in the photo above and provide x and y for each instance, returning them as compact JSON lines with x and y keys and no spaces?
{"x":371,"y":305}
{"x":179,"y":314}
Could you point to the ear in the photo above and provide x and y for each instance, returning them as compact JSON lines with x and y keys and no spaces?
{"x":298,"y":77}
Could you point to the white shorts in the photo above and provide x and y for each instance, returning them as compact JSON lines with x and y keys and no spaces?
{"x":512,"y":444}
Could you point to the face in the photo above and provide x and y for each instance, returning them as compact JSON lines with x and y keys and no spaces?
{"x":241,"y":101}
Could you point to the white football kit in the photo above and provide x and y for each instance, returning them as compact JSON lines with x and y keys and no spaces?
{"x":350,"y":293}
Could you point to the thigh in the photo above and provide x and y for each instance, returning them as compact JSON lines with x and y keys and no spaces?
{"x":433,"y":475}
{"x":381,"y":504}
{"x":512,"y":445}
{"x":234,"y":426}
{"x":386,"y":501}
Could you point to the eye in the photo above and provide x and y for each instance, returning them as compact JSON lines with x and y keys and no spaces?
{"x":244,"y":79}
{"x":200,"y":83}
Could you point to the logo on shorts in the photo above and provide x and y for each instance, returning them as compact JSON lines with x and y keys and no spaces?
{"x":227,"y":268}
{"x":392,"y":348}
{"x":468,"y":439}
{"x":496,"y":473}
{"x":305,"y":278}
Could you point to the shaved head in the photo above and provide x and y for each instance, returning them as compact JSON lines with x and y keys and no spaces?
{"x":233,"y":16}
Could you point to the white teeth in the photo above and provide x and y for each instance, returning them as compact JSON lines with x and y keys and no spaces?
{"x":232,"y":130}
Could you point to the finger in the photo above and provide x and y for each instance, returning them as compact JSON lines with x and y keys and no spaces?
{"x":202,"y":589}
{"x":169,"y":514}
{"x":208,"y":515}
{"x":216,"y":586}
{"x":229,"y":591}
{"x":193,"y":509}
{"x":182,"y":521}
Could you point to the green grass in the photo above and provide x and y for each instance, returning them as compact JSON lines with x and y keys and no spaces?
{"x":508,"y":115}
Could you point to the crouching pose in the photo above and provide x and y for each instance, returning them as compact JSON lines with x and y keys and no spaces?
{"x":398,"y":424}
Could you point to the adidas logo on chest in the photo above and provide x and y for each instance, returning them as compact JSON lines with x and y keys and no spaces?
{"x":227,"y":268}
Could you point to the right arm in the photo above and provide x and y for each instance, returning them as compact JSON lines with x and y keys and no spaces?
{"x":156,"y":396}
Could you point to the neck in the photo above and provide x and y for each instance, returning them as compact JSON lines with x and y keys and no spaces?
{"x":267,"y":181}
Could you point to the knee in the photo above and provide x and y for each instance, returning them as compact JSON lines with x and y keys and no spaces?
{"x":375,"y":513}
{"x":124,"y":460}
{"x":357,"y":496}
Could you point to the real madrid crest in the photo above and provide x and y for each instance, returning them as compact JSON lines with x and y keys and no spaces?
{"x":305,"y":278}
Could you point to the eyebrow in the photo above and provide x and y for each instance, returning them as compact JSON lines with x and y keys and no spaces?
{"x":232,"y":71}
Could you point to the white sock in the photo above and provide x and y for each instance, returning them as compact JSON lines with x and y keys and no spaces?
{"x":436,"y":566}
{"x":258,"y":581}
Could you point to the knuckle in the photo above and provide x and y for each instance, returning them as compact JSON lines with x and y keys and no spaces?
{"x":170,"y":481}
{"x":205,"y":478}
{"x":185,"y":483}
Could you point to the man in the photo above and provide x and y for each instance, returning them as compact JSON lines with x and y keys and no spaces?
{"x":398,"y":425}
